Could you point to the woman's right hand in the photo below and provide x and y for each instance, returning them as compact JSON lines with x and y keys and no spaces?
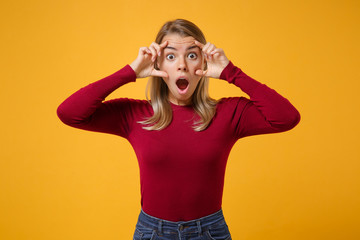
{"x":144,"y":64}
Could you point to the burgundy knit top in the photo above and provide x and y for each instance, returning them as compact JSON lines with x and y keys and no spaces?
{"x":181,"y":170}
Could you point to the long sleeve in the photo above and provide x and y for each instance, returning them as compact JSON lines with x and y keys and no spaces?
{"x":86,"y":110}
{"x":266,"y":111}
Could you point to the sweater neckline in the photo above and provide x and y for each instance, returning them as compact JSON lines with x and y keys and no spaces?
{"x":173,"y":105}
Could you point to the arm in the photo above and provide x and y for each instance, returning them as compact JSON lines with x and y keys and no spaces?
{"x":266,"y":112}
{"x":86,"y":110}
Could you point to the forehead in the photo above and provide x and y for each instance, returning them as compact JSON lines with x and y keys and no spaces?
{"x":179,"y":41}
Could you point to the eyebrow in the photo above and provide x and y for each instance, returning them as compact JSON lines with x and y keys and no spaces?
{"x":191,"y":47}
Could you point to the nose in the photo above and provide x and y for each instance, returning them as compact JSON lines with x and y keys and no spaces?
{"x":182,"y":65}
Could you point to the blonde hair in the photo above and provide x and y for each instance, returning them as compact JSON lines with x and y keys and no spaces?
{"x":202,"y":103}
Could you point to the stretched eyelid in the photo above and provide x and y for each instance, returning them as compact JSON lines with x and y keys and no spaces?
{"x":196,"y":55}
{"x":170,"y":54}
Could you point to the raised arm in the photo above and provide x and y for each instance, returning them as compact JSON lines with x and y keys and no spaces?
{"x":86,"y":108}
{"x":266,"y":111}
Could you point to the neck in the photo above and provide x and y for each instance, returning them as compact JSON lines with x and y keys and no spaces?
{"x":180,"y":102}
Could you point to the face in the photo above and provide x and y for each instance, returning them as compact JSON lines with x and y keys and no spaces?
{"x":180,"y":59}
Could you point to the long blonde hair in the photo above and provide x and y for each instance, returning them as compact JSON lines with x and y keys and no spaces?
{"x":202,"y":103}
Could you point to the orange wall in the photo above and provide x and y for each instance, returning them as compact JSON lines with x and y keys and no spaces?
{"x":58,"y":182}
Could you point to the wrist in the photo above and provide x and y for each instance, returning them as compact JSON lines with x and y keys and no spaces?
{"x":227,"y":68}
{"x":133,"y":65}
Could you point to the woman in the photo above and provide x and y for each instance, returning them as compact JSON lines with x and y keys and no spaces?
{"x":181,"y":136}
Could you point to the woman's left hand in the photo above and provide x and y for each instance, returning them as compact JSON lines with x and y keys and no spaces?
{"x":215,"y":58}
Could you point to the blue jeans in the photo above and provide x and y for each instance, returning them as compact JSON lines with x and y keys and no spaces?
{"x":211,"y":227}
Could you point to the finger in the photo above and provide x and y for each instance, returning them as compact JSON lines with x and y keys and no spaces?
{"x":205,"y":50}
{"x":214,"y":51}
{"x":219,"y":50}
{"x":206,"y":46}
{"x":208,"y":56}
{"x":210,"y":49}
{"x":147,"y":52}
{"x":153,"y":53}
{"x":162,"y":46}
{"x":144,"y":50}
{"x":216,"y":54}
{"x":199,"y":44}
{"x":156,"y":47}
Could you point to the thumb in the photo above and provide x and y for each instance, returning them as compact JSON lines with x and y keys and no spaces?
{"x":200,"y":72}
{"x":157,"y":73}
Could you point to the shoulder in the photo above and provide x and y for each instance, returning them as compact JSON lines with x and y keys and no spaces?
{"x":131,"y":108}
{"x":232,"y":107}
{"x":232,"y":102}
{"x":128,"y":102}
{"x":135,"y":106}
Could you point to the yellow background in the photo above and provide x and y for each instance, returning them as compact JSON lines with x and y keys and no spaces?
{"x":58,"y":182}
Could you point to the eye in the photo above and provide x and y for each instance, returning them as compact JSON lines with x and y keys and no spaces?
{"x":192,"y":55}
{"x":170,"y":56}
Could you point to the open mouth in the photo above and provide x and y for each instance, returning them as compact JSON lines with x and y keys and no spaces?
{"x":182,"y":84}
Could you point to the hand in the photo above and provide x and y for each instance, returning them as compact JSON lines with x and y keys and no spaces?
{"x":215,"y":58}
{"x":144,"y":64}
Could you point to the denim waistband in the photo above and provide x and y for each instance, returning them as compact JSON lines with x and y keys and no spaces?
{"x":200,"y":223}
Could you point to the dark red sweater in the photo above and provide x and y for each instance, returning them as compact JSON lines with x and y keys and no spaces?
{"x":181,"y":171}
